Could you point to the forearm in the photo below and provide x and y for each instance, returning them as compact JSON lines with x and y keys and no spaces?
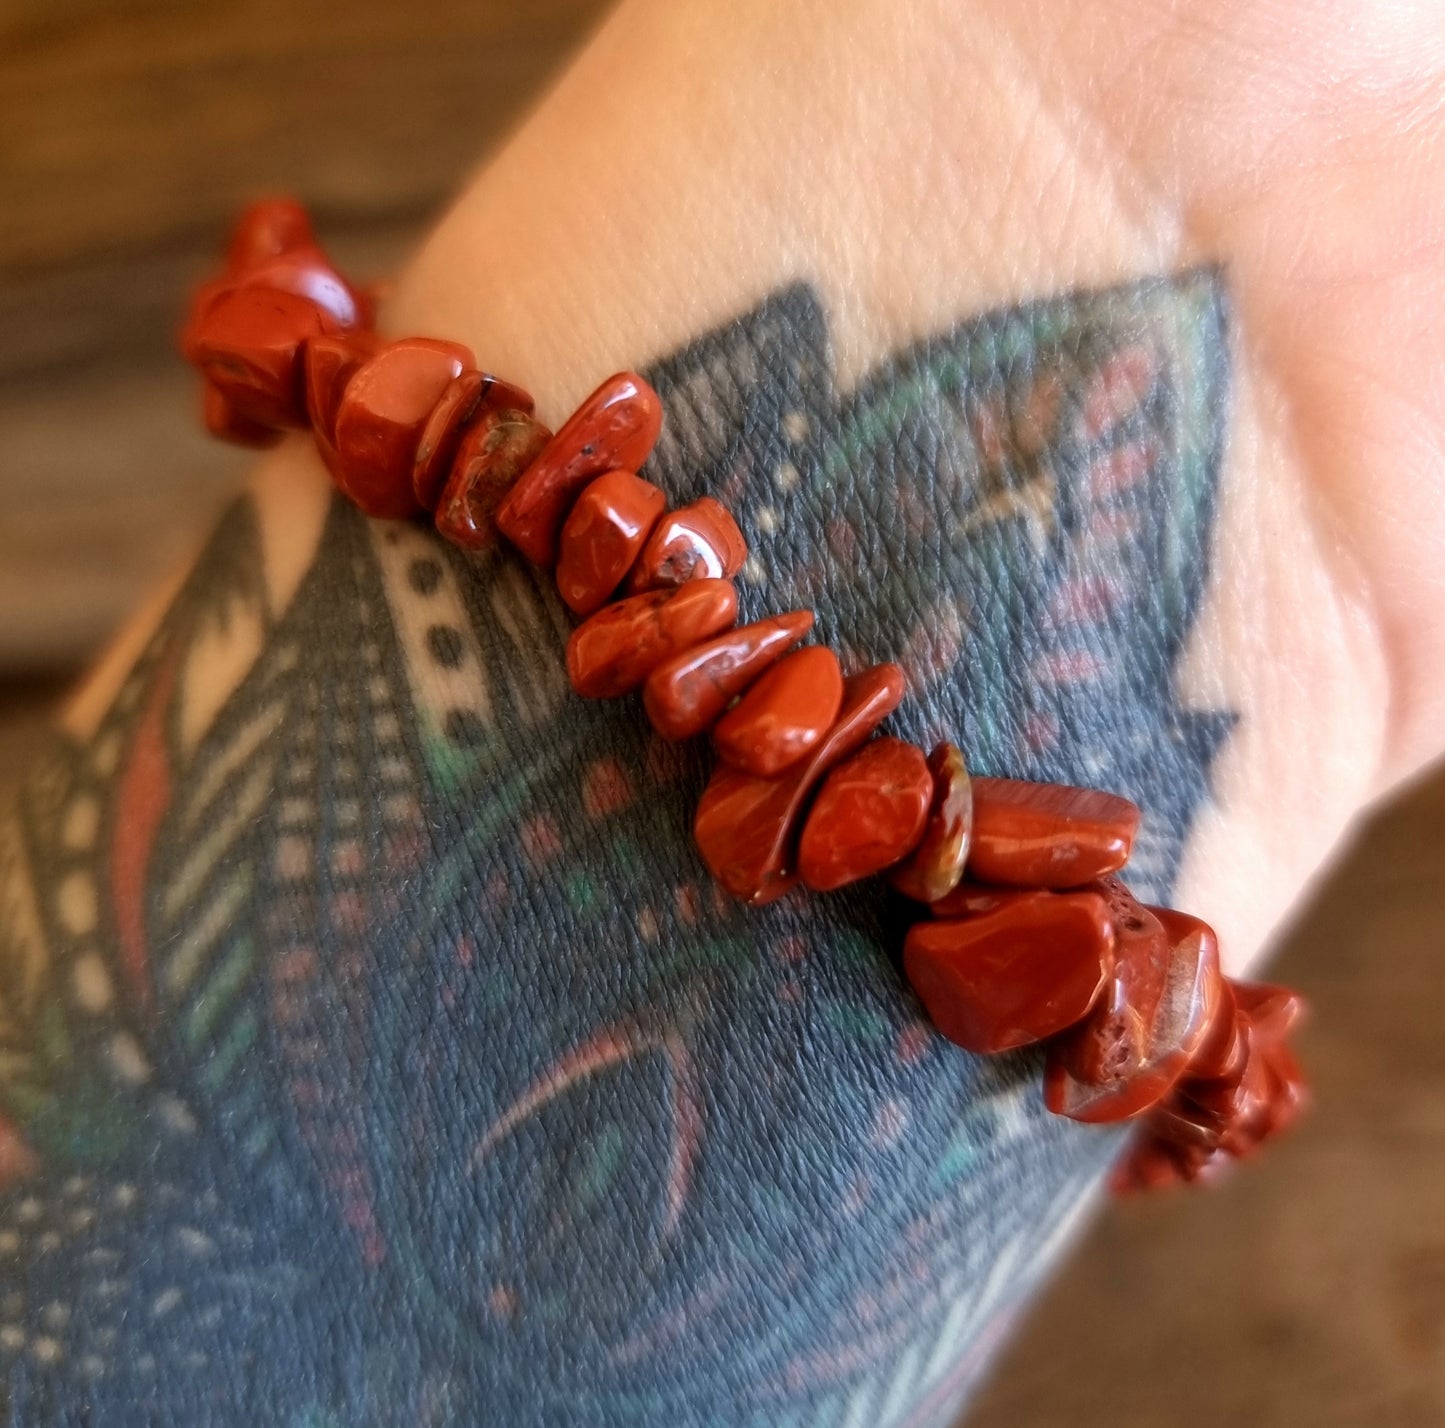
{"x":916,"y":165}
{"x":418,"y":941}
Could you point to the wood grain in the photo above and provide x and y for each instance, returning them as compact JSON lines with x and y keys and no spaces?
{"x":130,"y":131}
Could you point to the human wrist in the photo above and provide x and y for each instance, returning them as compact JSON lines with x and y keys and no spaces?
{"x":584,"y":248}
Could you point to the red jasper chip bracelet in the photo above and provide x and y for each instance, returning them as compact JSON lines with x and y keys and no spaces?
{"x":1030,"y":936}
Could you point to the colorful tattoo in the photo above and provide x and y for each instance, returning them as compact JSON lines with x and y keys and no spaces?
{"x":374,"y":1049}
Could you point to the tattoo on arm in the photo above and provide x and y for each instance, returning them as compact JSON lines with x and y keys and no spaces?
{"x":373,"y":1047}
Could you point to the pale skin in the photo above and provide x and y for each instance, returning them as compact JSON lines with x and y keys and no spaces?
{"x":926,"y":160}
{"x":918,"y":161}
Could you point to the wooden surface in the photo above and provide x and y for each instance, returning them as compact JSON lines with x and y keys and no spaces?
{"x":130,"y":132}
{"x":1309,"y":1293}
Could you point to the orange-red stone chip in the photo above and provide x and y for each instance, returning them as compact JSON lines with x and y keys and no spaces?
{"x":971,"y":899}
{"x":505,"y":396}
{"x":685,"y":695}
{"x":384,"y":409}
{"x":699,"y":541}
{"x":869,"y":813}
{"x":330,"y":363}
{"x":602,"y":536}
{"x":747,"y":827}
{"x":1224,"y":1045}
{"x":616,"y":427}
{"x":441,"y":436}
{"x":615,"y":650}
{"x":223,"y":421}
{"x":1273,"y":1011}
{"x":936,"y":865}
{"x":273,"y":246}
{"x":266,"y":229}
{"x":1016,"y":975}
{"x":492,"y":454}
{"x":249,"y":345}
{"x":783,"y":715}
{"x":1137,"y":1042}
{"x":1048,"y":835}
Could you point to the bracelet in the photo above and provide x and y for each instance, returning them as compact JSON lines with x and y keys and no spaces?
{"x":1024,"y":932}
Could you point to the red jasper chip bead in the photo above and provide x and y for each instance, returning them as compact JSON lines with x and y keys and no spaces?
{"x":700,"y":541}
{"x":616,"y":427}
{"x":226,"y":423}
{"x":265,"y":230}
{"x":1113,"y":1041}
{"x":1157,"y":1164}
{"x":869,"y":813}
{"x":783,"y":715}
{"x":441,"y":436}
{"x":601,"y":538}
{"x":249,"y":345}
{"x":686,"y":695}
{"x":492,"y":454}
{"x":747,"y":827}
{"x":971,"y":899}
{"x":1273,"y":1012}
{"x":1224,"y":1044}
{"x":383,"y":410}
{"x":505,"y":396}
{"x":308,"y":273}
{"x":1014,"y":976}
{"x":1137,"y":1041}
{"x":936,"y":865}
{"x":329,"y":364}
{"x":1289,"y":1093}
{"x":616,"y":649}
{"x":1048,"y":835}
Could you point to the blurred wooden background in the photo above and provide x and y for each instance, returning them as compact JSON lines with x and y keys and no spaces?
{"x":1309,"y":1293}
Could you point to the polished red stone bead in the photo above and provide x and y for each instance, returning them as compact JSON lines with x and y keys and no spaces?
{"x":266,"y":229}
{"x":1154,"y":1163}
{"x":1273,"y":1012}
{"x":747,"y":827}
{"x":492,"y":454}
{"x":379,"y":424}
{"x":615,"y":428}
{"x":1137,"y":1041}
{"x":1223,"y":1046}
{"x":1114,"y":1041}
{"x":249,"y":347}
{"x":869,"y":814}
{"x":686,"y":695}
{"x":1148,"y":1164}
{"x":699,"y":541}
{"x":1048,"y":835}
{"x":383,"y":410}
{"x":1289,"y":1094}
{"x":505,"y":396}
{"x":936,"y":865}
{"x":441,"y":436}
{"x":1243,"y":1109}
{"x":616,"y":649}
{"x":1212,"y":1099}
{"x":329,"y":364}
{"x":602,"y":535}
{"x":970,"y":899}
{"x":1179,"y":1122}
{"x":308,"y":272}
{"x":205,"y":296}
{"x":225,"y":422}
{"x":1014,"y":976}
{"x":783,"y":715}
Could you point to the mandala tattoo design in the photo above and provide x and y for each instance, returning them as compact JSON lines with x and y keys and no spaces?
{"x":374,"y":1048}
